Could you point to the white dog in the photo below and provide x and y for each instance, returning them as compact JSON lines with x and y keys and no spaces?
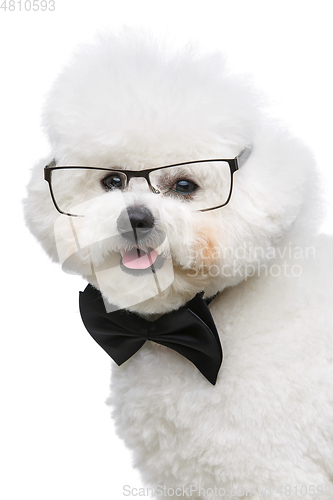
{"x":240,"y":228}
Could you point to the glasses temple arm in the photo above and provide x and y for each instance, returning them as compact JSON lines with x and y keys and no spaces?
{"x":244,"y":155}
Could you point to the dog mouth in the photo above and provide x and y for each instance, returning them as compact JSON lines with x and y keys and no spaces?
{"x":138,"y":262}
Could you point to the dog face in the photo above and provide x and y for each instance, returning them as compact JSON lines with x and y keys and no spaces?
{"x":147,"y":239}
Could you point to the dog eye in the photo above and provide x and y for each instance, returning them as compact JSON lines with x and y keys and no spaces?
{"x":114,"y":181}
{"x":184,"y":186}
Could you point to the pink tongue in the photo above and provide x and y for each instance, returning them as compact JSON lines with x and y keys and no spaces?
{"x":138,"y":259}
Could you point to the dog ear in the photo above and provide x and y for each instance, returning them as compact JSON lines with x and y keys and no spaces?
{"x":39,"y":212}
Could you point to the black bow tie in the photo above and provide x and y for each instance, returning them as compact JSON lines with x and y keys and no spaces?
{"x":189,"y":330}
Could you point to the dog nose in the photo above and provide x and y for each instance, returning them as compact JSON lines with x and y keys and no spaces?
{"x":137,"y":220}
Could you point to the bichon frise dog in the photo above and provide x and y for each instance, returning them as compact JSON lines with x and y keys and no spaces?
{"x":194,"y":219}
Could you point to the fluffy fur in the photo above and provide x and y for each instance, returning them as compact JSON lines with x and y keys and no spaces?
{"x":267,"y":424}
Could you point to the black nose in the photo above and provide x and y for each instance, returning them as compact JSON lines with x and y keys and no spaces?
{"x":135,"y":223}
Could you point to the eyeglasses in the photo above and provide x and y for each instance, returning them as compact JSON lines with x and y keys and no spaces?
{"x":204,"y":185}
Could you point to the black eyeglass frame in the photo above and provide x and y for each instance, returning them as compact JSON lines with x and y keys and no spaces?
{"x":234,"y":165}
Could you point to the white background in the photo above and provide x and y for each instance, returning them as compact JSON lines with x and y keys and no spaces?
{"x":57,"y":438}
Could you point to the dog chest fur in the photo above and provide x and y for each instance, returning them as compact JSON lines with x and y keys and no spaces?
{"x":266,"y":421}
